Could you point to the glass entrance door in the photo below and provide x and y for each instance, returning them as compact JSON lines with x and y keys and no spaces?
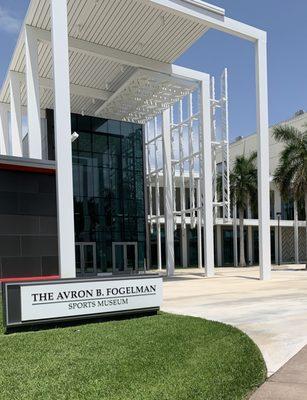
{"x":86,"y":259}
{"x":125,"y":257}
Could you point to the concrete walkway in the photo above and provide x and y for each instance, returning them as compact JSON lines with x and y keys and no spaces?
{"x":289,"y":383}
{"x":272,"y":313}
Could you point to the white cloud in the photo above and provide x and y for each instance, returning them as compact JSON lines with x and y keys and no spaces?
{"x":8,"y":23}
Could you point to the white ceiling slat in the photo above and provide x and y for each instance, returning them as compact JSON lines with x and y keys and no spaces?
{"x":45,"y":60}
{"x":111,"y":22}
{"x":192,"y":38}
{"x":103,"y":14}
{"x":147,"y":35}
{"x":77,"y":64}
{"x":31,"y":13}
{"x":45,"y":18}
{"x":99,"y":21}
{"x":127,"y":27}
{"x":162,"y":47}
{"x":154,"y":45}
{"x":40,"y":6}
{"x":85,"y":18}
{"x":170,"y":53}
{"x":73,"y":11}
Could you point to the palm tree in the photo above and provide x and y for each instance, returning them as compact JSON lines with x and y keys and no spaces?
{"x":243,"y":189}
{"x":291,"y":173}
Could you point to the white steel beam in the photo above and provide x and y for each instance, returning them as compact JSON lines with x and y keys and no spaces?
{"x":77,"y":90}
{"x":33,"y":95}
{"x":4,"y":130}
{"x":66,"y":233}
{"x":207,"y":193}
{"x":263,"y":160}
{"x":194,"y":11}
{"x":109,"y":53}
{"x":16,"y":116}
{"x":168,"y":193}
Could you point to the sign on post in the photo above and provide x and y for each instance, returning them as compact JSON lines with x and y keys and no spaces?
{"x":30,"y":303}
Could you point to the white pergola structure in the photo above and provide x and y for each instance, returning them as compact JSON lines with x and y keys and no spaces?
{"x":188,"y":172}
{"x":115,"y":59}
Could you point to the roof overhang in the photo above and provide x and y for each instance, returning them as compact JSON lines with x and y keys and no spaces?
{"x":109,"y":42}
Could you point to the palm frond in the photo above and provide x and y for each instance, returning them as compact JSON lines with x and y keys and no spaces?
{"x":291,"y":174}
{"x":286,"y":133}
{"x":243,"y":180}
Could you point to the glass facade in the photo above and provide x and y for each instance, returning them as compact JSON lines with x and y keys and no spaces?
{"x":108,"y":179}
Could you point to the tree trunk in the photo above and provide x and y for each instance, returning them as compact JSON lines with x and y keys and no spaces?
{"x":242,"y":250}
{"x":306,"y":228}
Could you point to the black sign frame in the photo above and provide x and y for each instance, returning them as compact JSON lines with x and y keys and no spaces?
{"x":11,"y":302}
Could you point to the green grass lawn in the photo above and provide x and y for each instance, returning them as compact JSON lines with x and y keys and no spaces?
{"x":150,"y":358}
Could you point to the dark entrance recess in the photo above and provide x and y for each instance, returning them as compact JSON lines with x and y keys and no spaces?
{"x":28,"y":218}
{"x":109,"y":199}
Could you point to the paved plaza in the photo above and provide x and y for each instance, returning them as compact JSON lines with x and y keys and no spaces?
{"x":290,"y":382}
{"x":273,"y":313}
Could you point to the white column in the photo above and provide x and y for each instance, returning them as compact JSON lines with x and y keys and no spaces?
{"x":263,"y":159}
{"x":295,"y":232}
{"x":199,"y":227}
{"x":168,"y":193}
{"x":277,"y":208}
{"x":249,"y":236}
{"x":33,"y":94}
{"x":66,"y":233}
{"x":159,"y":252}
{"x":206,"y":183}
{"x":250,"y":245}
{"x":219,"y":245}
{"x":235,"y":236}
{"x":16,"y":116}
{"x":4,"y":130}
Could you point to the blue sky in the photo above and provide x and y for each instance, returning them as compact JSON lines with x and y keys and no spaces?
{"x":286,"y":25}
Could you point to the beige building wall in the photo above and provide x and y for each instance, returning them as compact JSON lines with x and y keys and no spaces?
{"x":248,"y":144}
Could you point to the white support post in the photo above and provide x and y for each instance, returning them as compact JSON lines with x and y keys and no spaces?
{"x":263,"y":159}
{"x":235,"y":236}
{"x":207,"y":192}
{"x":277,"y":208}
{"x":16,"y":116}
{"x":66,"y":233}
{"x":199,"y":227}
{"x":157,"y":198}
{"x":249,"y":236}
{"x":168,"y":193}
{"x":33,"y":94}
{"x":295,"y":232}
{"x":250,"y":245}
{"x":4,"y":130}
{"x":183,"y":228}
